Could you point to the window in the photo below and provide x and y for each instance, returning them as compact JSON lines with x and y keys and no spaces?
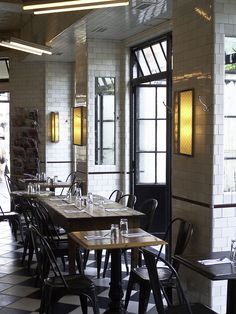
{"x":230,"y":116}
{"x":4,"y":69}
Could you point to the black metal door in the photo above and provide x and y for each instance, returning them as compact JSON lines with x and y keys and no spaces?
{"x":151,"y":133}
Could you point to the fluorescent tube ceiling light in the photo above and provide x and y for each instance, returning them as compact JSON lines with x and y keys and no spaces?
{"x":18,"y":44}
{"x":68,"y":6}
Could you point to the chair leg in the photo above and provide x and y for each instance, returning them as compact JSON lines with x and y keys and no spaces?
{"x":131,"y":283}
{"x":107,"y":256}
{"x":144,"y":295}
{"x":26,"y":245}
{"x":79,"y":261}
{"x":84,"y":304}
{"x":98,"y":254}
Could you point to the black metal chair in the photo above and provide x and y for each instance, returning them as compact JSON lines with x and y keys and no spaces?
{"x":128,"y":200}
{"x":140,"y":275}
{"x":158,"y":286}
{"x":116,"y":195}
{"x":55,"y":284}
{"x":70,"y":178}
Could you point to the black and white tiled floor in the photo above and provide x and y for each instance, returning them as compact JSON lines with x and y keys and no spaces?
{"x":18,"y":294}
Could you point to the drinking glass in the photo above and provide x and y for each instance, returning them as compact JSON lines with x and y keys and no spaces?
{"x":233,"y":253}
{"x":30,"y":188}
{"x":114,"y":231}
{"x":124,"y":226}
{"x":55,"y":179}
{"x":90,"y":200}
{"x":101,"y":205}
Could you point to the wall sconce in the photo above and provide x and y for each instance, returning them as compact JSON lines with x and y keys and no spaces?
{"x":183,"y":118}
{"x":54,"y":127}
{"x":79,"y":126}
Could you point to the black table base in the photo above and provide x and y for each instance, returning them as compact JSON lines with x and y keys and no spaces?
{"x":116,"y":292}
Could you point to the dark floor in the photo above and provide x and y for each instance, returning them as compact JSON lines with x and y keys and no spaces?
{"x":18,"y":294}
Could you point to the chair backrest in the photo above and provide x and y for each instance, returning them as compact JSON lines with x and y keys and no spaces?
{"x":183,"y":236}
{"x":116,"y":195}
{"x":128,"y":200}
{"x":44,"y":223}
{"x":148,"y":207}
{"x":11,"y":184}
{"x":45,"y":257}
{"x":158,"y":288}
{"x":72,"y":178}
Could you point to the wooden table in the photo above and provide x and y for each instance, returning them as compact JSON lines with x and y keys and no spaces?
{"x":115,"y":245}
{"x":71,"y":219}
{"x":214,"y":272}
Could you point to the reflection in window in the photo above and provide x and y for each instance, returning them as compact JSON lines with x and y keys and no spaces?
{"x":105,"y":121}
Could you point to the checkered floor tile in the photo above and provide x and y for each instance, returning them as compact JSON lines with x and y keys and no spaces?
{"x":18,"y":293}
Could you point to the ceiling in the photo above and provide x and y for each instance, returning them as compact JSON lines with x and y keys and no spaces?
{"x":112,"y":23}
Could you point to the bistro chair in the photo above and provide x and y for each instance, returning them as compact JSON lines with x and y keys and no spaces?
{"x":55,"y":284}
{"x":128,"y":200}
{"x":140,"y":275}
{"x":70,"y":178}
{"x":158,"y":282}
{"x":116,"y":195}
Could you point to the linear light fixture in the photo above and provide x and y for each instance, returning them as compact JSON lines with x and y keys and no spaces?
{"x":54,"y":127}
{"x":79,"y":125}
{"x":68,"y":6}
{"x":22,"y":45}
{"x":184,"y":119}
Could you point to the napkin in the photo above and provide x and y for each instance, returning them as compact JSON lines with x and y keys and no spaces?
{"x":214,"y":261}
{"x":73,"y":211}
{"x":62,"y":205}
{"x":136,"y":234}
{"x":98,"y":237}
{"x":54,"y":199}
{"x":115,"y":209}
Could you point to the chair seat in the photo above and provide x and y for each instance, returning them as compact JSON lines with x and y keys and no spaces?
{"x":163,"y":273}
{"x":196,"y":308}
{"x":75,"y":281}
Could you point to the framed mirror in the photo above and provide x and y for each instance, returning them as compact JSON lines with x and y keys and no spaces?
{"x":105,"y":126}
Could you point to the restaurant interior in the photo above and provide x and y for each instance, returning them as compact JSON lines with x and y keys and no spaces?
{"x":128,"y":96}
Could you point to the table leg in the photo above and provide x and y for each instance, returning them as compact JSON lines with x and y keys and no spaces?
{"x":231,"y":293}
{"x":116,"y":292}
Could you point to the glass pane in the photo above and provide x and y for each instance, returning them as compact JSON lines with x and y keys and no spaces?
{"x":151,"y":60}
{"x":160,"y":82}
{"x":146,"y":107}
{"x":229,"y":98}
{"x":229,"y":137}
{"x":3,"y":70}
{"x":142,"y":63}
{"x":161,"y":135}
{"x":161,"y":102}
{"x":108,"y":107}
{"x":160,"y":56}
{"x":146,"y":135}
{"x":161,"y":168}
{"x":230,"y":175}
{"x":145,"y":169}
{"x":108,"y":135}
{"x":108,"y":157}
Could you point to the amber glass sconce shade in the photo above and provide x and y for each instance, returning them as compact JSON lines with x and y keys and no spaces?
{"x":54,"y":127}
{"x":79,"y":126}
{"x":184,"y":119}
